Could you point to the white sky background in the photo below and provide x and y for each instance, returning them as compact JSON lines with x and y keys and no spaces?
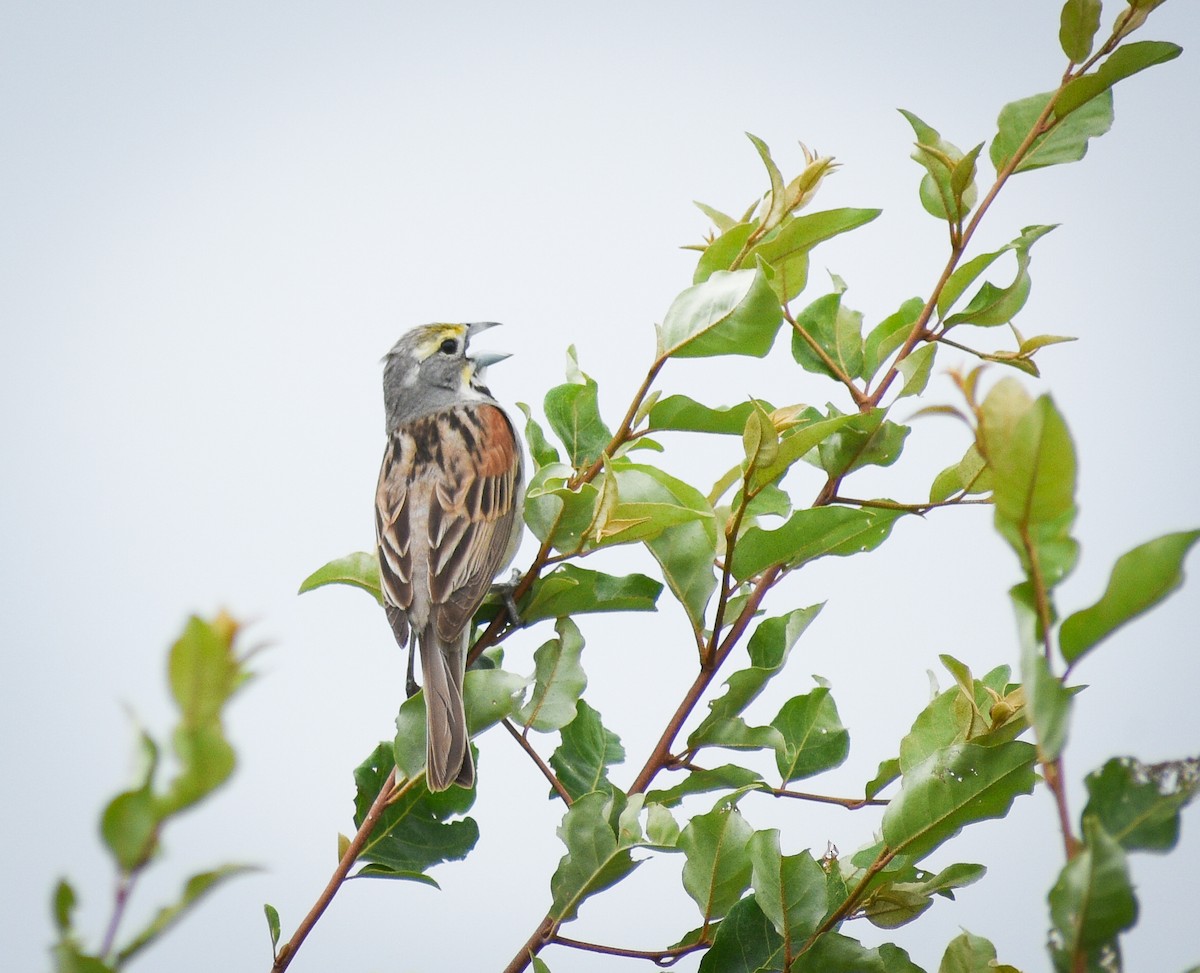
{"x":218,"y":218}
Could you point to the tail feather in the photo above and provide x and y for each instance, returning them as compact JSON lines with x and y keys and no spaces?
{"x":447,"y":746}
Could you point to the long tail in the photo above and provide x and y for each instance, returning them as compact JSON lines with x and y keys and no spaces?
{"x":447,"y":746}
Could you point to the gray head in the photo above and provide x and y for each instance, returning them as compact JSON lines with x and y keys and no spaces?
{"x":428,"y":369}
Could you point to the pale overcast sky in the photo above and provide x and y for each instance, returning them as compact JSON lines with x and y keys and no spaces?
{"x":217,"y":218}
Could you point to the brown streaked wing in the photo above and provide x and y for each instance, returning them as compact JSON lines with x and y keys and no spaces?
{"x":392,"y":528}
{"x":477,"y":501}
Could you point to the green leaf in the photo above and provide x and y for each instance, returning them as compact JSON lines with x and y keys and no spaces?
{"x":1047,"y":702}
{"x":786,"y":250}
{"x":587,"y":750}
{"x":273,"y":926}
{"x":1124,"y":61}
{"x":954,"y":787}
{"x":725,"y":777}
{"x":359,"y":570}
{"x":916,"y":369}
{"x":994,"y":305}
{"x":68,"y":958}
{"x":640,"y":503}
{"x":678,"y":412}
{"x":573,"y":412}
{"x":969,"y":475}
{"x":907,"y":893}
{"x":797,"y":442}
{"x":560,"y":680}
{"x":203,"y":673}
{"x":539,"y":965}
{"x":963,"y":276}
{"x":760,"y":441}
{"x":731,"y":313}
{"x":1092,"y":901}
{"x":837,"y":331}
{"x":865,"y":439}
{"x":957,"y":716}
{"x":1140,"y":579}
{"x":717,"y":870}
{"x":598,"y":852}
{"x":768,"y":650}
{"x":790,"y":890}
{"x":1137,"y":804}
{"x":721,"y":221}
{"x":554,"y":512}
{"x":734,"y":733}
{"x":207,"y":761}
{"x":776,"y":202}
{"x":967,"y":953}
{"x":662,"y":831}
{"x":684,"y":551}
{"x":415,"y":831}
{"x":947,"y":192}
{"x":723,"y":251}
{"x":889,"y":335}
{"x":540,"y":449}
{"x":129,"y":826}
{"x":1078,"y":23}
{"x":572,"y":590}
{"x":810,"y":534}
{"x":63,"y":906}
{"x":746,"y":942}
{"x":195,"y":889}
{"x":888,"y":771}
{"x":1032,"y":458}
{"x":813,"y":738}
{"x":1067,"y":141}
{"x":490,"y":695}
{"x":833,"y":953}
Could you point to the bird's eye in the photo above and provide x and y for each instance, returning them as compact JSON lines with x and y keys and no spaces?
{"x":449,"y":346}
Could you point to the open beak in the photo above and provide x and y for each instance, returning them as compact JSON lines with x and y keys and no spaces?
{"x":488,"y":358}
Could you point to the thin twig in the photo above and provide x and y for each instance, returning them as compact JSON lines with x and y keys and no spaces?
{"x":124,"y":890}
{"x":537,"y":759}
{"x":726,"y":588}
{"x":857,"y":394}
{"x":533,"y":945}
{"x":915,"y":508}
{"x":849,"y":803}
{"x":852,"y":900}
{"x":659,"y":957}
{"x":660,"y":757}
{"x":386,"y":795}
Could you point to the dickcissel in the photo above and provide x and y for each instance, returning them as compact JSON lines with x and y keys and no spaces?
{"x":447,"y":518}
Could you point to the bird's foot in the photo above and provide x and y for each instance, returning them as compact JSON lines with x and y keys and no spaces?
{"x":506,"y":591}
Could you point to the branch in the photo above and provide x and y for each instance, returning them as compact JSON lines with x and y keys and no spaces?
{"x":915,"y":508}
{"x":661,"y":755}
{"x":852,"y":900}
{"x":387,"y":794}
{"x":659,"y":957}
{"x":918,"y":331}
{"x":849,"y":803}
{"x":542,"y":935}
{"x":537,"y":759}
{"x":857,"y":394}
{"x":622,"y":435}
{"x":120,"y":900}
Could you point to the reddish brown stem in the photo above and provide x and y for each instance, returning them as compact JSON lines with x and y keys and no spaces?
{"x":659,"y":957}
{"x":661,"y":755}
{"x":537,"y":759}
{"x":349,"y":857}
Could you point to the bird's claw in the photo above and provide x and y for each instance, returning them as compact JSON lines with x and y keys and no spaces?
{"x":506,"y":591}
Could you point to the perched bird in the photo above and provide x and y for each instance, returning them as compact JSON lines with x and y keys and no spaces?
{"x":447,"y":518}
